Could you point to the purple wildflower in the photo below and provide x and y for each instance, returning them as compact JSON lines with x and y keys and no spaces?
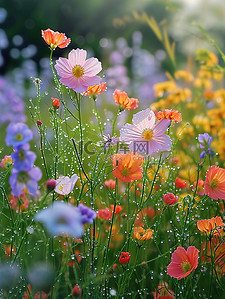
{"x":18,"y":134}
{"x":87,"y":214}
{"x":25,"y":179}
{"x":23,"y":158}
{"x":204,"y":143}
{"x":61,"y":218}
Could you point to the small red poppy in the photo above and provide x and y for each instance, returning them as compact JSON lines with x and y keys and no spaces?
{"x":124,"y":258}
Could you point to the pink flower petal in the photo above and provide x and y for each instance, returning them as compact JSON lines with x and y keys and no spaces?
{"x":130,"y":132}
{"x":144,"y":119}
{"x":71,"y":82}
{"x":161,"y":143}
{"x":161,"y":127}
{"x":92,"y":67}
{"x":63,"y":67}
{"x":77,"y":57}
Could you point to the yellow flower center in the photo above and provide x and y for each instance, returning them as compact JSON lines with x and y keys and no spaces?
{"x":125,"y":171}
{"x":147,"y":134}
{"x":186,"y":266}
{"x":214,"y":184}
{"x":61,"y":187}
{"x":19,"y":137}
{"x":78,"y":71}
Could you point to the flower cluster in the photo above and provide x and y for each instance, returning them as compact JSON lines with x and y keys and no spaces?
{"x":24,"y":175}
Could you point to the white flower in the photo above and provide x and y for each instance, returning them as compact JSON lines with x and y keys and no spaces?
{"x":64,"y":185}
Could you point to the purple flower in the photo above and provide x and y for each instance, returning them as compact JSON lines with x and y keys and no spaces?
{"x":61,"y":218}
{"x":23,"y":158}
{"x":25,"y":179}
{"x":204,"y":143}
{"x":18,"y":134}
{"x":87,"y":214}
{"x":204,"y":140}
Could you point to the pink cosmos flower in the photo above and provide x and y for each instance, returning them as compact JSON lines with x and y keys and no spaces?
{"x":78,"y":73}
{"x":144,"y":135}
{"x":183,"y":262}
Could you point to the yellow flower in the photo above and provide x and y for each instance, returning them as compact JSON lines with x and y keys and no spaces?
{"x":162,"y":87}
{"x":185,"y":75}
{"x":141,"y":234}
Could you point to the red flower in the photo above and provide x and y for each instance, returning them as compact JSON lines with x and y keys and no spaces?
{"x":124,"y":258}
{"x":104,"y":214}
{"x":179,"y":183}
{"x":55,"y":39}
{"x":170,"y":198}
{"x":76,"y":292}
{"x":183,"y":262}
{"x":55,"y":103}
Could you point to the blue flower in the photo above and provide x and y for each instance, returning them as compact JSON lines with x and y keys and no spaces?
{"x":61,"y":218}
{"x":25,"y":179}
{"x":23,"y":158}
{"x":87,"y":214}
{"x":18,"y":134}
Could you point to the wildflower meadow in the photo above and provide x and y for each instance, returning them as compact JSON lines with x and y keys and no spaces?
{"x":109,"y":196}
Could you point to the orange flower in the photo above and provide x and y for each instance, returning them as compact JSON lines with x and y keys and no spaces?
{"x":9,"y":250}
{"x":127,"y":167}
{"x":122,"y":99}
{"x":179,"y":183}
{"x":117,"y":210}
{"x":169,"y":114}
{"x":213,"y":225}
{"x":55,"y":39}
{"x":55,"y":103}
{"x":95,"y":89}
{"x":215,"y":182}
{"x":141,"y":234}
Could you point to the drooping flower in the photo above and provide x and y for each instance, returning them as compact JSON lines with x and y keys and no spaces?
{"x":121,"y":98}
{"x":6,"y":161}
{"x":55,"y":39}
{"x":18,"y":134}
{"x":111,"y":184}
{"x":51,"y":184}
{"x":183,"y":262}
{"x":124,"y":258}
{"x":169,"y":114}
{"x":20,"y":180}
{"x":170,"y":198}
{"x":87,"y":214}
{"x":141,"y":234}
{"x":179,"y":183}
{"x":92,"y":91}
{"x":61,"y":218}
{"x":214,"y":225}
{"x":127,"y":167}
{"x":78,"y":73}
{"x":215,"y":182}
{"x":146,"y":136}
{"x":65,"y":185}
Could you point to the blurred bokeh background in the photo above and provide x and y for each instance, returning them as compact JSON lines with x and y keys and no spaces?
{"x":108,"y":29}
